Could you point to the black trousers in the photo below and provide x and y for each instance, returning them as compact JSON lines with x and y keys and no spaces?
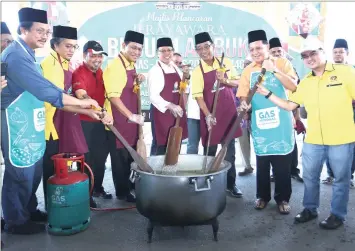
{"x":282,"y":173}
{"x":294,"y":162}
{"x":230,"y":157}
{"x":121,"y":169}
{"x":52,"y":148}
{"x":100,"y":143}
{"x":158,"y":150}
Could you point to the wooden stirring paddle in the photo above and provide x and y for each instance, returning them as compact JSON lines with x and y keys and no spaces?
{"x":217,"y":161}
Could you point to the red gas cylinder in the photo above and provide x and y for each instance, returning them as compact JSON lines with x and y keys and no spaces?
{"x":64,"y":175}
{"x":68,"y":196}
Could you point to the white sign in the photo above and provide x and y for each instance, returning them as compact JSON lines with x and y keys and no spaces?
{"x":268,"y":118}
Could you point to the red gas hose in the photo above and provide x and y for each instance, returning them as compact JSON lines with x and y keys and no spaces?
{"x":91,"y":190}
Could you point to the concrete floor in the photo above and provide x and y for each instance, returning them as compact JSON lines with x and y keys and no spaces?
{"x":241,"y":227}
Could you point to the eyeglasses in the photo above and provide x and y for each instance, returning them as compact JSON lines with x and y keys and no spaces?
{"x":276,"y":52}
{"x":205,"y":47}
{"x":43,"y":32}
{"x":167,"y":50}
{"x":311,"y":54}
{"x":71,"y":47}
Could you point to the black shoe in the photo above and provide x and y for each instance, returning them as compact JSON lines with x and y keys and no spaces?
{"x":39,"y":216}
{"x":272,"y":178}
{"x":131,"y":197}
{"x":305,"y":216}
{"x":103,"y":194}
{"x":297,"y":177}
{"x":332,"y":222}
{"x":27,"y":228}
{"x":235,"y":192}
{"x":247,"y":170}
{"x":93,"y":203}
{"x":2,"y":245}
{"x":2,"y":224}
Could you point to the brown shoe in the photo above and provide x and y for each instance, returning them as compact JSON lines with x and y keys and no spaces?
{"x":247,"y":170}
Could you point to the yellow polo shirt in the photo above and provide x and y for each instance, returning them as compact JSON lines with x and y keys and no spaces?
{"x":197,"y":76}
{"x":282,"y":64}
{"x":328,"y":102}
{"x":115,"y":79}
{"x":53,"y":71}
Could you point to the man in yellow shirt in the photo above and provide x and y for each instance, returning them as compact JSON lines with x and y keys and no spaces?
{"x":327,"y":93}
{"x":204,"y":78}
{"x":63,"y":129}
{"x":271,"y":129}
{"x":119,"y":79}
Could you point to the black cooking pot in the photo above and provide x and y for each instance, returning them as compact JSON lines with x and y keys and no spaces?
{"x":188,"y":197}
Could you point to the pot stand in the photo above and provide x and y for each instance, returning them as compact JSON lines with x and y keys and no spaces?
{"x":213,"y":222}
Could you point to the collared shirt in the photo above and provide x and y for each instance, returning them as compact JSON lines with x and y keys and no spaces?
{"x":156,"y":83}
{"x":22,"y":75}
{"x":282,"y":64}
{"x":53,"y":71}
{"x":197,"y":76}
{"x":92,"y":83}
{"x":115,"y":78}
{"x":327,"y":100}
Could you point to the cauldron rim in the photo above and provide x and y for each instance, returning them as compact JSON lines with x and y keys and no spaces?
{"x":228,"y":165}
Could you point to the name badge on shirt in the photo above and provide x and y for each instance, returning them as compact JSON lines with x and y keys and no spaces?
{"x":176,"y":88}
{"x":334,"y":81}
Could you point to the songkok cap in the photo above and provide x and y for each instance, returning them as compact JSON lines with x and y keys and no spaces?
{"x":341,"y":43}
{"x":164,"y":41}
{"x":133,"y":36}
{"x":274,"y":42}
{"x":65,"y":32}
{"x":256,"y":35}
{"x":4,"y":28}
{"x":32,"y":15}
{"x":202,"y":37}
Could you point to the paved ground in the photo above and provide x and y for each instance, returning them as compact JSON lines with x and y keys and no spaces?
{"x":241,"y":228}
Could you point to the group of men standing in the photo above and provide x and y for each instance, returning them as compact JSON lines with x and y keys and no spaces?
{"x":66,"y":98}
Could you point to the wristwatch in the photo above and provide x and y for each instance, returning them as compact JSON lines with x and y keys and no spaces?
{"x":268,"y":95}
